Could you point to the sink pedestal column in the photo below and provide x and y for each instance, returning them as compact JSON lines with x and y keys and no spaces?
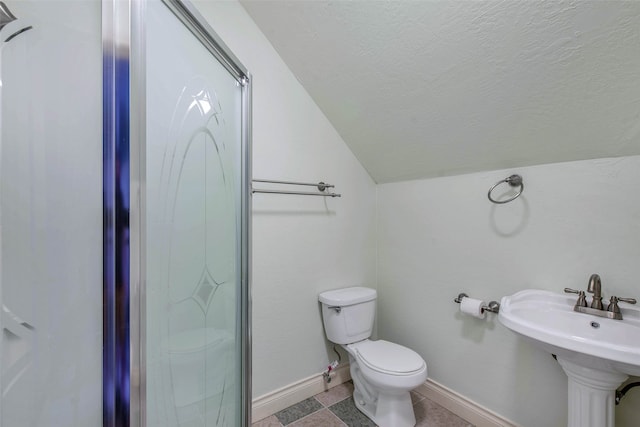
{"x":591,"y":395}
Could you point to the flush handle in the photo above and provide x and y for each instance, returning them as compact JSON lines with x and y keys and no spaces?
{"x":338,"y":309}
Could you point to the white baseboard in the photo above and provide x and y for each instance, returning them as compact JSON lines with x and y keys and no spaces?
{"x":277,"y":400}
{"x":461,"y":406}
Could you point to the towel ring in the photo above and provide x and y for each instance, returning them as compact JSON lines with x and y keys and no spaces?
{"x":514,"y":181}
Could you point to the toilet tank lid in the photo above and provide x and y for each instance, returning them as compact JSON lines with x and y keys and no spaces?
{"x":347,"y":296}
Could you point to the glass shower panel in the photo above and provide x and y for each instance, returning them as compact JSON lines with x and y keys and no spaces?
{"x":51,"y":213}
{"x":193,"y":143}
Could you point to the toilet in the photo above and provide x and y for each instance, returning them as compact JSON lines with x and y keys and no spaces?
{"x":383,"y":373}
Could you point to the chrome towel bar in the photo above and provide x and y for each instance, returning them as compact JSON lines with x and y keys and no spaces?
{"x":321,"y":186}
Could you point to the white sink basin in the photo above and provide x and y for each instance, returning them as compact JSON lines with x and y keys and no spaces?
{"x":596,"y":342}
{"x":596,"y":353}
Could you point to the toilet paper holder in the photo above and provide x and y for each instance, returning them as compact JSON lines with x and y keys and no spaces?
{"x":492,"y":306}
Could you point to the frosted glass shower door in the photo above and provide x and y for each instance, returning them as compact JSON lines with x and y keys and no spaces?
{"x":193,"y":229}
{"x":51,"y":214}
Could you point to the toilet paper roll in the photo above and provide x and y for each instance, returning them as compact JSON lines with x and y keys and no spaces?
{"x":473,"y":307}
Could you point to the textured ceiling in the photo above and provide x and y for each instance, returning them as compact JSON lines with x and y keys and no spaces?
{"x":430,"y":88}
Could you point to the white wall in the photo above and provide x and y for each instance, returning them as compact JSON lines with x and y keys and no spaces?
{"x":301,"y":245}
{"x":439,"y":237}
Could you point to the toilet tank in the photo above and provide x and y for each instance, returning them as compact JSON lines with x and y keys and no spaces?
{"x":348,"y":314}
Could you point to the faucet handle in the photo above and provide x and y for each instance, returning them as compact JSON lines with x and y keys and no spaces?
{"x":613,"y":303}
{"x":582,"y":300}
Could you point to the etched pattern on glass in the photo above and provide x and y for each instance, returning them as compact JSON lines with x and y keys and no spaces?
{"x":192,"y":247}
{"x":51,"y":213}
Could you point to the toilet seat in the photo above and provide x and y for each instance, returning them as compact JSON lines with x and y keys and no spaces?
{"x":388,"y":358}
{"x":389,"y":365}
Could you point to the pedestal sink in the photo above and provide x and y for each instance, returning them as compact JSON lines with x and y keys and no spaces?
{"x":596,"y":353}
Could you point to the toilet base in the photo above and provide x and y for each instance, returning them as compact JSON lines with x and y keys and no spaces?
{"x":386,"y":409}
{"x":390,"y":410}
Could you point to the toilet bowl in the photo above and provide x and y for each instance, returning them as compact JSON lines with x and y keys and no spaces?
{"x":383,"y":373}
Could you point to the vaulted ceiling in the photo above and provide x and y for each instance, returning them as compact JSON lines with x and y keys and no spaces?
{"x":421,"y":89}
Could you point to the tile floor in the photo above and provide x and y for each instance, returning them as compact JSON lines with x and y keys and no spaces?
{"x":335,"y":408}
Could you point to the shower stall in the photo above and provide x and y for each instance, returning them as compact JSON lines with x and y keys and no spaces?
{"x":124,"y":217}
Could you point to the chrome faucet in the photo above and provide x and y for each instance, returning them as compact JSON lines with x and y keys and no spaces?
{"x":595,"y":287}
{"x":597,"y":309}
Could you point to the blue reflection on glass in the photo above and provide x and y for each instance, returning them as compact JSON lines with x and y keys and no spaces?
{"x":116,"y":369}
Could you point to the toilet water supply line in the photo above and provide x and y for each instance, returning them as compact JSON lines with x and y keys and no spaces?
{"x":332,"y":366}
